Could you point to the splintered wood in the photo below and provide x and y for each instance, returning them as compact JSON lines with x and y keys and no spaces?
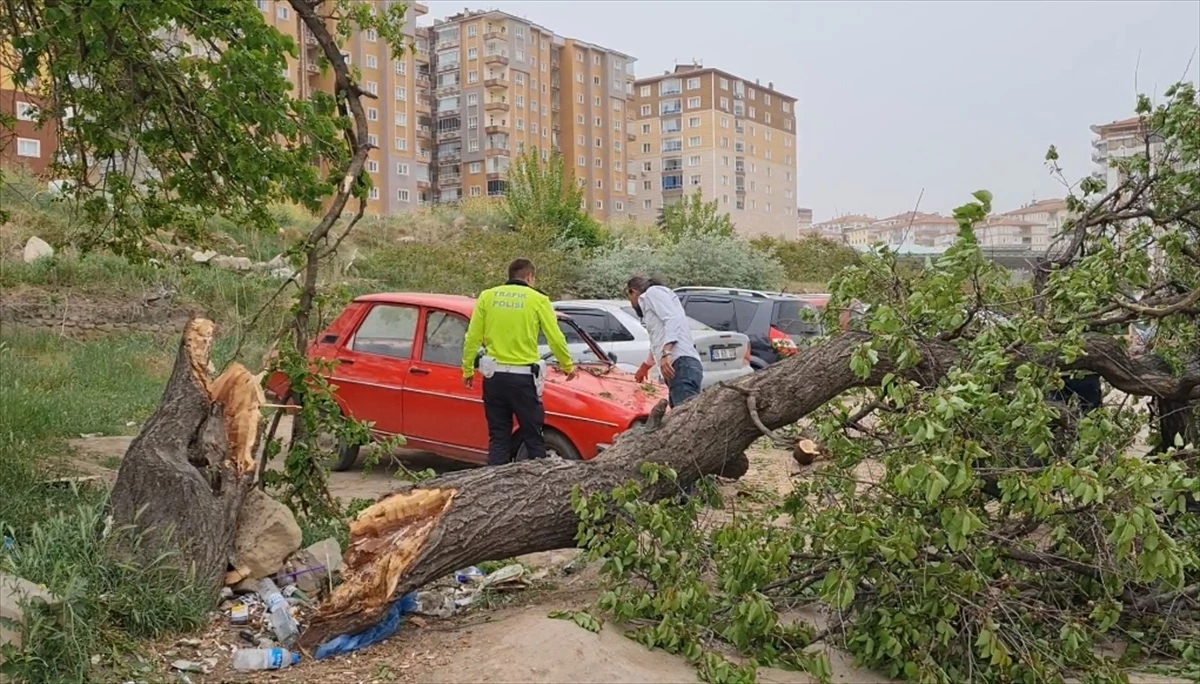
{"x":241,"y":396}
{"x":385,"y":540}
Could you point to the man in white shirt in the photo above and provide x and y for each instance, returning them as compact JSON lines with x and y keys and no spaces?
{"x":671,"y":345}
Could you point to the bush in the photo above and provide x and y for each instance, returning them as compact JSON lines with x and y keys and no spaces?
{"x":694,"y":260}
{"x":810,"y":259}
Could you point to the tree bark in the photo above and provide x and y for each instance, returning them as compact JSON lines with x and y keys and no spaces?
{"x":424,"y":532}
{"x":182,"y":481}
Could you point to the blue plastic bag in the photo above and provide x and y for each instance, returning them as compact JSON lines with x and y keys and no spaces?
{"x":348,"y":643}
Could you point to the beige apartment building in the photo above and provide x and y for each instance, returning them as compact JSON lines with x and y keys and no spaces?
{"x":504,"y":85}
{"x":703,"y":128}
{"x":398,"y":115}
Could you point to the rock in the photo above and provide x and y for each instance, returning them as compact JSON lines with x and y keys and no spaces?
{"x":37,"y":248}
{"x":267,"y":534}
{"x":282,"y":273}
{"x":203,"y":257}
{"x":310,"y":567}
{"x":14,"y":592}
{"x":279,"y":261}
{"x":232,"y":263}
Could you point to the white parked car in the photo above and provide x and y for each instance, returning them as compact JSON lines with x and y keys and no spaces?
{"x":616,"y":328}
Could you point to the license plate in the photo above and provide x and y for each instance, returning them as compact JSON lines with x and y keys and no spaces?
{"x":725,"y":354}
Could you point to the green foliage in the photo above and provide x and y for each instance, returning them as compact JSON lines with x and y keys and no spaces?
{"x":105,"y":601}
{"x":544,"y":194}
{"x":809,"y":259}
{"x":693,"y":260}
{"x":979,"y":528}
{"x":693,"y":217}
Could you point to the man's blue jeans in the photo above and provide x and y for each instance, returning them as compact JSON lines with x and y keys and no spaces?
{"x":689,"y":374}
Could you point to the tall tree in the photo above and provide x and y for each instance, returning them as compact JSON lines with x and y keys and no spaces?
{"x":545,"y":194}
{"x":693,"y":216}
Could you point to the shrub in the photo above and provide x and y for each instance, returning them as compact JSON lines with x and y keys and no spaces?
{"x":810,"y":259}
{"x":694,"y":260}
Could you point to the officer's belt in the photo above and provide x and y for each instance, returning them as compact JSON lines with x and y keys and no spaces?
{"x":515,"y":370}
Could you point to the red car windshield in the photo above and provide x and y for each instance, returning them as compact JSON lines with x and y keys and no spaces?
{"x":576,"y":335}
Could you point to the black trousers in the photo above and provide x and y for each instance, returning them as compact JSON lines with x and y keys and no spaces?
{"x":506,"y":395}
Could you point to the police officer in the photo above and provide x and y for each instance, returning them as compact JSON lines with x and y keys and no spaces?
{"x":506,"y":321}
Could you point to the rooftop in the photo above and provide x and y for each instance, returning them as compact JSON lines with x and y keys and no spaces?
{"x":696,"y":69}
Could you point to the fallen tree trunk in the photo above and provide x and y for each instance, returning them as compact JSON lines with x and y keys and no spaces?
{"x":425,"y":532}
{"x":182,"y":481}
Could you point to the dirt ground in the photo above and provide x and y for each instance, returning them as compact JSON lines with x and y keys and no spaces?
{"x":512,"y":639}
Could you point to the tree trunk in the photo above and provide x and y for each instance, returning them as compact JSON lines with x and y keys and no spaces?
{"x":181,"y":484}
{"x":427,"y":531}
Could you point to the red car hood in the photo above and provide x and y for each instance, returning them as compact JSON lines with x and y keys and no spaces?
{"x":610,"y":384}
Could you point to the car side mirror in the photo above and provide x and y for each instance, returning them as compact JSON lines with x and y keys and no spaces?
{"x":612,"y":357}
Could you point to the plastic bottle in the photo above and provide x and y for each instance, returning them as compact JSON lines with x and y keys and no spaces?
{"x":285,"y":628}
{"x":264,"y":659}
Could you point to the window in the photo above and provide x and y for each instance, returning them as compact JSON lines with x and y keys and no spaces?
{"x":472,"y":31}
{"x":473,"y":145}
{"x":27,"y":111}
{"x":581,"y":141}
{"x":694,"y":122}
{"x":400,"y":67}
{"x":599,"y":204}
{"x":787,"y":106}
{"x":767,"y":99}
{"x":443,"y":341}
{"x":400,"y":143}
{"x":29,"y":147}
{"x":599,"y":142}
{"x":620,"y":206}
{"x":475,"y":167}
{"x":388,"y":330}
{"x":725,"y":103}
{"x":598,"y":122}
{"x":372,"y":114}
{"x":401,"y":169}
{"x":401,"y":119}
{"x":694,"y":160}
{"x":693,"y":84}
{"x":645,"y":129}
{"x":373,"y":194}
{"x":402,"y":195}
{"x":599,"y":183}
{"x":645,"y":110}
{"x":473,"y":76}
{"x":599,"y":163}
{"x":520,"y":124}
{"x":647,"y":185}
{"x":261,"y":5}
{"x":579,"y":98}
{"x":645,"y":91}
{"x":596,"y":101}
{"x":601,"y":326}
{"x":373,"y":87}
{"x":694,"y":180}
{"x":724,"y":83}
{"x":401,"y":93}
{"x":672,"y":145}
{"x":694,"y":141}
{"x":372,"y":140}
{"x":645,"y":148}
{"x":713,"y":312}
{"x":596,"y":59}
{"x":520,"y":100}
{"x":670,"y":86}
{"x":472,"y":122}
{"x":595,"y":80}
{"x":472,"y":53}
{"x":520,"y":79}
{"x":647,"y":204}
{"x":476,"y":191}
{"x":520,"y":55}
{"x":281,"y":11}
{"x":581,"y":160}
{"x":472,"y":100}
{"x":693,"y":103}
{"x":579,"y":119}
{"x":372,"y":166}
{"x":647,"y":166}
{"x":752,"y":112}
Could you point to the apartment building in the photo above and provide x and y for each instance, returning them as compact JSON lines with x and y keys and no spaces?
{"x":504,"y":85}
{"x":703,"y":128}
{"x":910,"y":228}
{"x":804,"y":220}
{"x":1119,"y":139}
{"x":27,"y":145}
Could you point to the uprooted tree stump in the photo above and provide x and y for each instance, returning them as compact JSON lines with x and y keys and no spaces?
{"x":181,"y":485}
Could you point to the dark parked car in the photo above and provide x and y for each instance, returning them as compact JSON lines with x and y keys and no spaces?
{"x":777,"y":324}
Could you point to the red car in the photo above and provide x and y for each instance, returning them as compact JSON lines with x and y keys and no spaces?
{"x":400,"y":368}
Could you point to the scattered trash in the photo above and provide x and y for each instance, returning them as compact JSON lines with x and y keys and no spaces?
{"x":9,"y":543}
{"x":90,"y":435}
{"x":310,"y":567}
{"x":468,"y":575}
{"x":239,"y":614}
{"x":264,"y":659}
{"x":198,"y":666}
{"x":247,"y":636}
{"x":347,"y":643}
{"x":194,"y":643}
{"x":508,"y":576}
{"x":281,"y":621}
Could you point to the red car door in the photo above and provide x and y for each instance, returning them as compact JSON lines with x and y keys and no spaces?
{"x":374,"y":365}
{"x":439,"y":413}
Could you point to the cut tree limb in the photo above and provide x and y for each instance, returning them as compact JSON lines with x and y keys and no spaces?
{"x":425,"y":532}
{"x":181,"y":483}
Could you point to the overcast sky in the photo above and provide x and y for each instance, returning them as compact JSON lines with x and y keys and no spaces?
{"x":896,"y":97}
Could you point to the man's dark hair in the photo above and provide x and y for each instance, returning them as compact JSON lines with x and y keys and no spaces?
{"x":641,"y":283}
{"x":520,"y":269}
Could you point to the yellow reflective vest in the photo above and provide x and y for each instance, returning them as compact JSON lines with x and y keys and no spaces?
{"x":507,"y":320}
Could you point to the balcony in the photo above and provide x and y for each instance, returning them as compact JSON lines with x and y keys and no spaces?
{"x":424,"y":132}
{"x":492,"y":60}
{"x":499,"y":151}
{"x":310,"y":40}
{"x":494,"y":34}
{"x":630,"y":137}
{"x":422,"y":106}
{"x":447,"y":66}
{"x":449,"y":179}
{"x":450,"y":157}
{"x":421,"y":56}
{"x":422,"y":183}
{"x":422,"y":80}
{"x":451,"y":134}
{"x":448,"y":111}
{"x":312,"y":68}
{"x":492,"y":129}
{"x":496,"y":107}
{"x":495,"y":84}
